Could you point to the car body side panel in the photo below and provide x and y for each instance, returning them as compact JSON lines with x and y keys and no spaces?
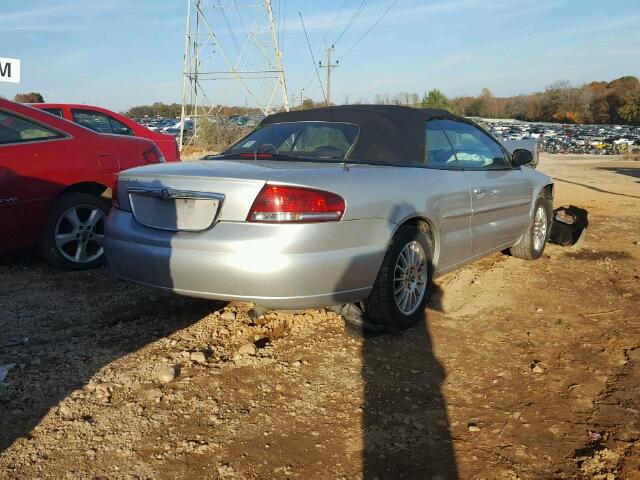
{"x":399,"y":194}
{"x":34,"y":174}
{"x":501,"y":201}
{"x":439,"y":196}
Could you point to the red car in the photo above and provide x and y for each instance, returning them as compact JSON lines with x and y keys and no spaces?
{"x":55,"y":183}
{"x":102,"y":120}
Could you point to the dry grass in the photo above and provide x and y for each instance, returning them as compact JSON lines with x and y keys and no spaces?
{"x":213,"y":136}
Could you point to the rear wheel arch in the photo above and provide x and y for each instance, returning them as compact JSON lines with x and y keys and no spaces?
{"x":425,"y":225}
{"x":92,"y":188}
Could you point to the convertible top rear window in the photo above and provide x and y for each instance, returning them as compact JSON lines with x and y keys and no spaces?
{"x":306,"y":138}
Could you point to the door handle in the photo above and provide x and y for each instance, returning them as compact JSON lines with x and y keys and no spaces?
{"x":478,"y":190}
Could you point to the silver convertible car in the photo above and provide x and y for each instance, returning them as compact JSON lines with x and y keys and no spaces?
{"x":338,"y":205}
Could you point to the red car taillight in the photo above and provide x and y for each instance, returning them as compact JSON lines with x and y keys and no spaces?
{"x":276,"y":204}
{"x":153,"y":155}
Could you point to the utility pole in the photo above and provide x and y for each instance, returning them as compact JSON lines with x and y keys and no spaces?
{"x":329,"y":66}
{"x":301,"y":97}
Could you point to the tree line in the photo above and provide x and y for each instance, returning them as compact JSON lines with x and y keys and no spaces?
{"x":174,"y":110}
{"x":615,"y":102}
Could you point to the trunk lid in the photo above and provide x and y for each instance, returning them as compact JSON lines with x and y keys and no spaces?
{"x":192,"y":196}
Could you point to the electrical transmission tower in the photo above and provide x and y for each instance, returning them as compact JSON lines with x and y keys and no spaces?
{"x":231,"y":48}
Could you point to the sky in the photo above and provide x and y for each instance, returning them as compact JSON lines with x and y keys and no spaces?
{"x":121,"y":53}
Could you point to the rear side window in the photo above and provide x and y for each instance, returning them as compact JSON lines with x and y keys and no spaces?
{"x":119,"y":128}
{"x":475,"y":150}
{"x":54,"y":111}
{"x":15,"y":129}
{"x":439,"y":151}
{"x":99,"y":122}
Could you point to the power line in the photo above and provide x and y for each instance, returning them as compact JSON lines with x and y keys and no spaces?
{"x":335,"y":19}
{"x":353,"y":18}
{"x":370,"y":28}
{"x":311,"y":80}
{"x":226,"y":20}
{"x":324,"y":41}
{"x":235,"y":3}
{"x":313,"y":58}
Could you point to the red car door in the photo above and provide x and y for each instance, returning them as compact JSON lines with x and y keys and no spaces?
{"x":26,"y":187}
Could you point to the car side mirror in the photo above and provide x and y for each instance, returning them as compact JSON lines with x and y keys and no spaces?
{"x":521,"y":157}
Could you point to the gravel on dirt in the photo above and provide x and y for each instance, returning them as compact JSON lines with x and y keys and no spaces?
{"x":520,"y":369}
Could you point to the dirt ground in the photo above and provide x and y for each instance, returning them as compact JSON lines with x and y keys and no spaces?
{"x":520,"y":370}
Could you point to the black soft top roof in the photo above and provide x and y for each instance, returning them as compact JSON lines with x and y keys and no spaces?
{"x":388,"y":133}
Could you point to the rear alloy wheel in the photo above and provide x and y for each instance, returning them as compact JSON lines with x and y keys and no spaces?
{"x":532,"y":244}
{"x":410,"y":277}
{"x":74,"y":234}
{"x":401,"y":291}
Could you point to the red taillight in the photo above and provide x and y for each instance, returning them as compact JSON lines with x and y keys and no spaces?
{"x":276,"y":203}
{"x":153,"y":155}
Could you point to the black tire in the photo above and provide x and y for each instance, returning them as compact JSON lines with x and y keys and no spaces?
{"x":89,"y":235}
{"x":527,"y":248}
{"x":381,"y":306}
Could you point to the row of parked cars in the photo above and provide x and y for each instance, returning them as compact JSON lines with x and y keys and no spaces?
{"x":58,"y":166}
{"x":578,"y":139}
{"x":167,"y":126}
{"x":172,"y":126}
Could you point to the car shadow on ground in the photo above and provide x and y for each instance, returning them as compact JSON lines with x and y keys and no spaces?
{"x":628,"y":171}
{"x":405,"y":425}
{"x":595,"y":189}
{"x":67,"y":330}
{"x":61,"y":328}
{"x":406,"y":430}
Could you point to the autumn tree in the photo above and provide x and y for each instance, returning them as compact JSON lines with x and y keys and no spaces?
{"x":630,"y":111}
{"x":596,"y":102}
{"x":31,"y":97}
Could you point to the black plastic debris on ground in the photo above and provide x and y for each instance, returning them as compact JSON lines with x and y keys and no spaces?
{"x":569,"y":226}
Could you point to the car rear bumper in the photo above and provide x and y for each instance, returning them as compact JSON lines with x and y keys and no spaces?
{"x":277,"y":266}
